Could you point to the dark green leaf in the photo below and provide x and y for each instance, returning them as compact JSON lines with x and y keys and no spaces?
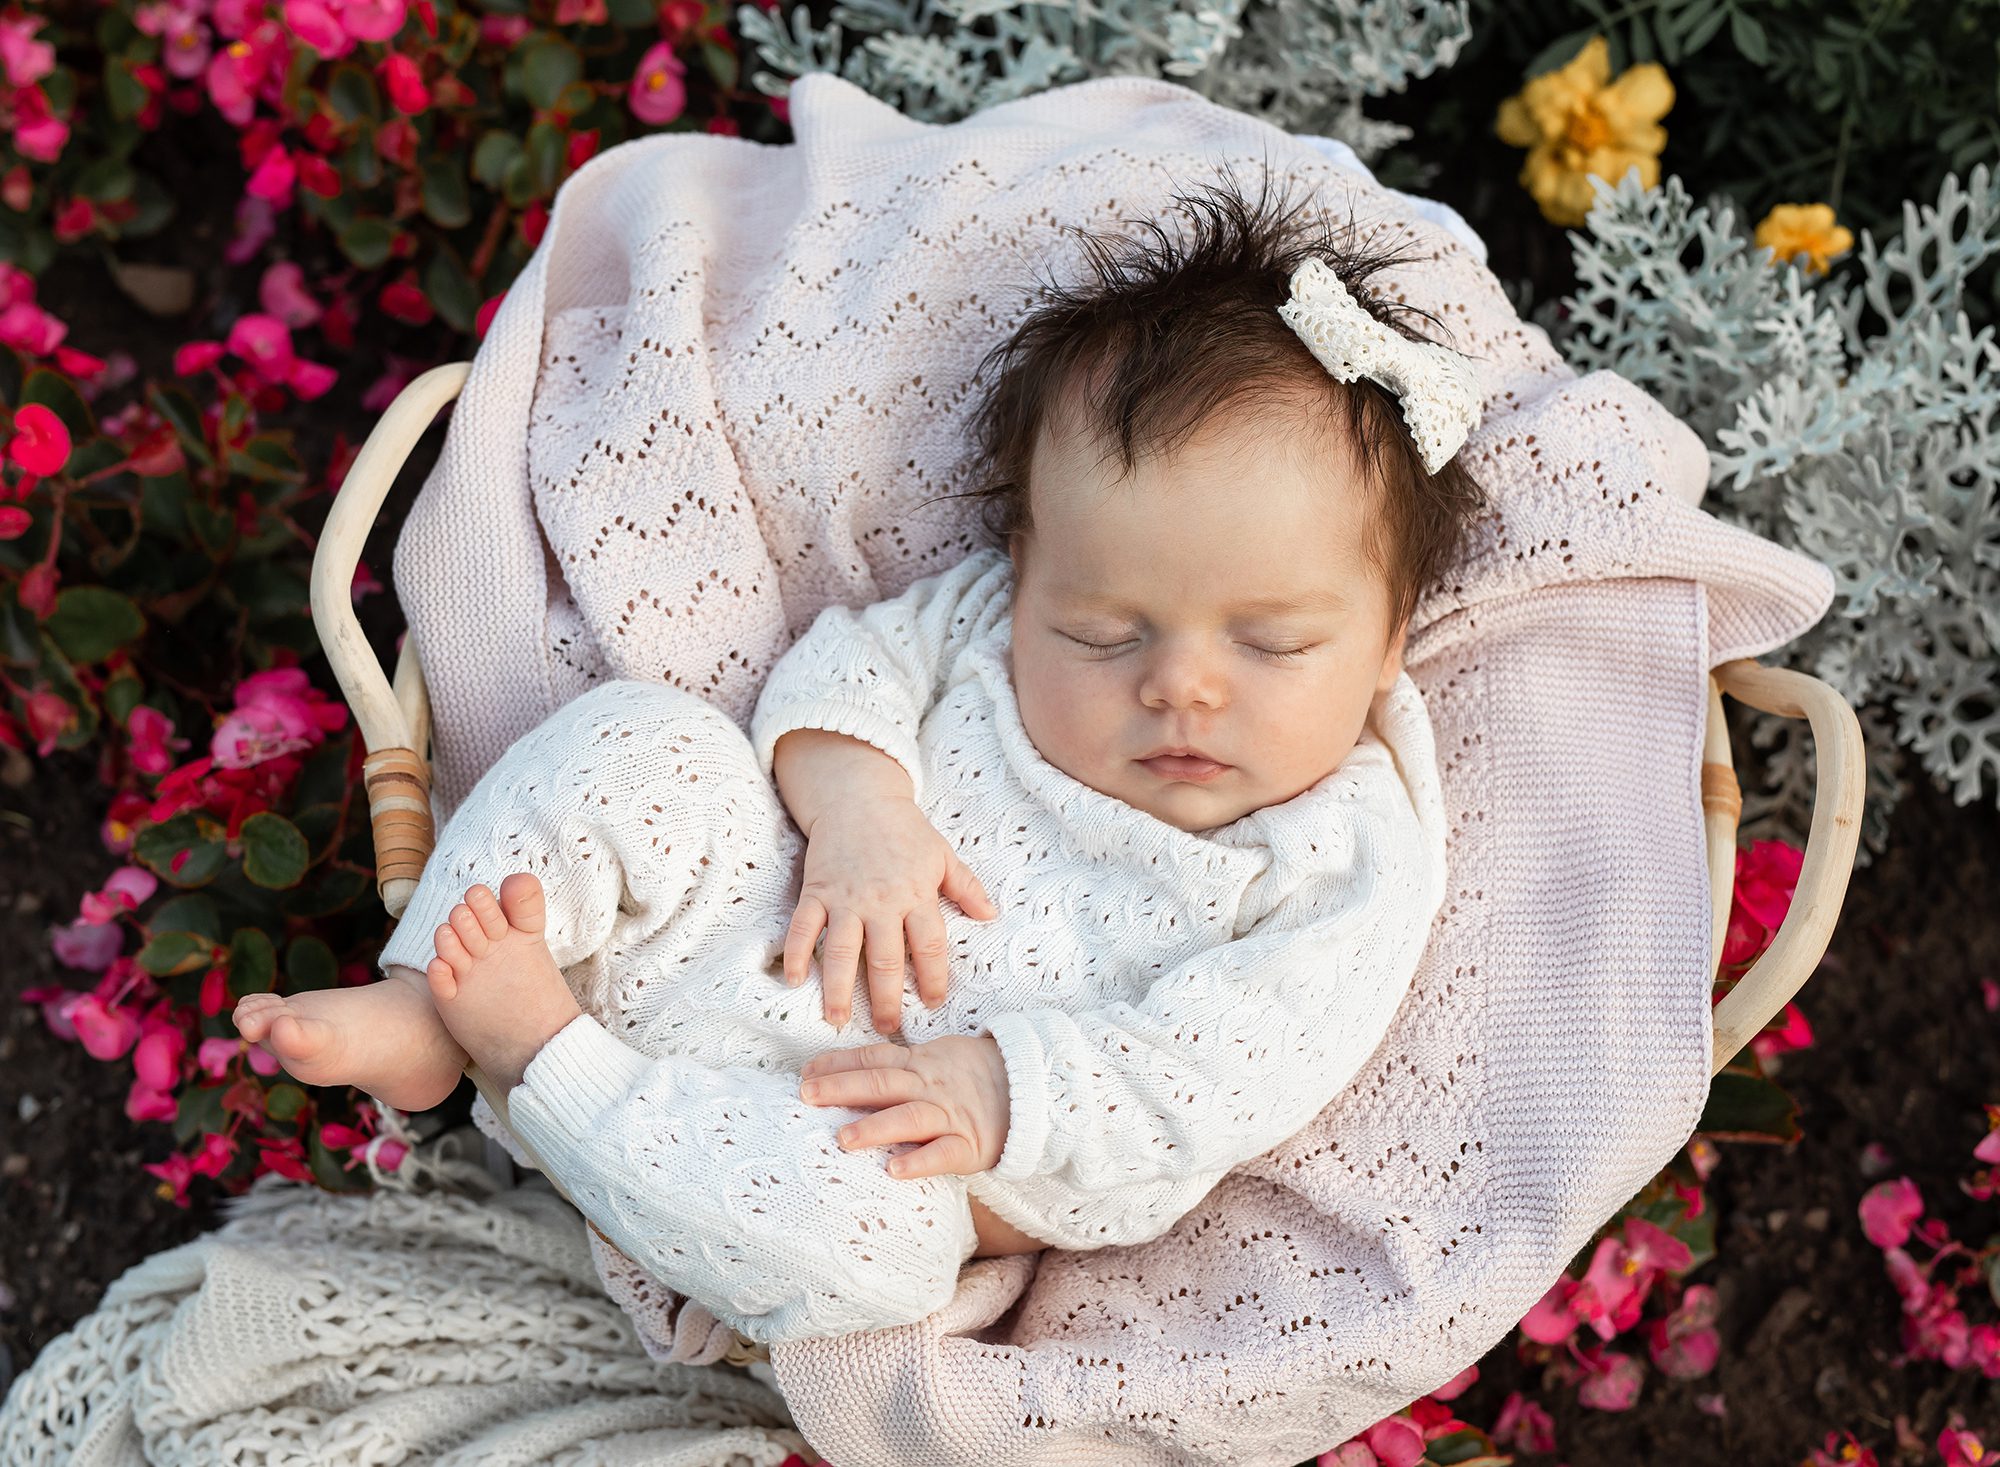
{"x":310,"y":965}
{"x":721,"y":63}
{"x":107,"y":181}
{"x":122,"y":694}
{"x":195,"y":914}
{"x":446,"y":199}
{"x":178,"y":408}
{"x":546,"y":151}
{"x":90,"y":623}
{"x":1748,"y":34}
{"x":175,"y":952}
{"x":253,"y":962}
{"x":274,"y":853}
{"x":547,"y":66}
{"x":367,"y":242}
{"x":1748,"y":1108}
{"x":198,"y":1109}
{"x":496,"y":154}
{"x":353,"y":94}
{"x":283,"y":1102}
{"x":335,"y":891}
{"x":451,"y":290}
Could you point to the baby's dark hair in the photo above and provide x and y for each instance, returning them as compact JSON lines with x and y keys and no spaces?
{"x":1166,"y":329}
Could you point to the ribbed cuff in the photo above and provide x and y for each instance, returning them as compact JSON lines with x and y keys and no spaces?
{"x":1027,"y":1059}
{"x":411,"y":943}
{"x":579,"y":1074}
{"x":837,"y":715}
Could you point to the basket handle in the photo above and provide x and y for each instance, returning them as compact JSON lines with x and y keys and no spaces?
{"x":1762,"y":993}
{"x":395,"y":729}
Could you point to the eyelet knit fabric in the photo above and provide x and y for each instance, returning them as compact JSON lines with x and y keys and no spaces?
{"x":730,"y":390}
{"x":1167,"y":1003}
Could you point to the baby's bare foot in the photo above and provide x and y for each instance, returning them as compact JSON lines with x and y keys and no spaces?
{"x":494,"y":980}
{"x":385,"y":1038}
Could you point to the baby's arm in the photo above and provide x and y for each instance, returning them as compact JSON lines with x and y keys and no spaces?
{"x":836,"y":729}
{"x":1121,"y":1119}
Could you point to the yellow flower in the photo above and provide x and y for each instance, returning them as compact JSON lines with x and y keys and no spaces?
{"x":1576,"y":122}
{"x":1803,"y":229}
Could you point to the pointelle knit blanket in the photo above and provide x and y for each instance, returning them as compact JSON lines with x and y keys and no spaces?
{"x":731,"y":388}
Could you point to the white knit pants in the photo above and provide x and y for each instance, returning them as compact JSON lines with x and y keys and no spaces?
{"x":672,"y":871}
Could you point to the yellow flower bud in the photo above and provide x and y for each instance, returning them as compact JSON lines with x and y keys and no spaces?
{"x":1791,"y":230}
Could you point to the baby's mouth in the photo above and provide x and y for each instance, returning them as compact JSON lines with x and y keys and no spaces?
{"x":1193,"y":768}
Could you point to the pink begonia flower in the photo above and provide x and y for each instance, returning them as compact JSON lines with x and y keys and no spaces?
{"x":1791,"y":1032}
{"x":277,"y":712}
{"x":1984,"y":1343}
{"x":174,"y":1173}
{"x":30,"y":328}
{"x":144,"y":1103}
{"x":38,"y":132}
{"x":1989,"y":995}
{"x":49,"y":716}
{"x":156,"y":1059}
{"x":1988,"y":1150}
{"x":309,"y":380}
{"x":214,"y":1056}
{"x":1888,"y":1210}
{"x":404,"y":83}
{"x":397,"y":375}
{"x":274,"y":178}
{"x":256,"y":222}
{"x":26,"y":59}
{"x":214,"y":1155}
{"x":1348,"y":1454}
{"x":1395,"y":1442}
{"x":56,"y":1002}
{"x":265,"y":343}
{"x":658,"y":94}
{"x":196,"y":356}
{"x":364,"y":584}
{"x":1523,"y":1424}
{"x":186,"y":48}
{"x":503,"y":31}
{"x":41,"y":442}
{"x":153,"y":742}
{"x":262,"y":1061}
{"x":387,"y":1152}
{"x":1457,"y":1386}
{"x":106,"y":1033}
{"x":90,"y":946}
{"x":315,"y":24}
{"x":14,"y":522}
{"x":1550,"y":1321}
{"x":123,"y":892}
{"x":1685,"y":1344}
{"x":282,"y":292}
{"x":235,"y":18}
{"x":1963,"y":1449}
{"x":1613,"y":1382}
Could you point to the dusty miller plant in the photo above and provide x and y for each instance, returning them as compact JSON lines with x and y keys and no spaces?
{"x":1854,"y":419}
{"x":1304,"y":65}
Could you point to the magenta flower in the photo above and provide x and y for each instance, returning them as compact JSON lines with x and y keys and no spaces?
{"x":174,"y":1173}
{"x":1612,"y":1383}
{"x":1550,"y":1322}
{"x":1889,"y":1210}
{"x":31,"y":329}
{"x":215,"y":1154}
{"x":153,"y":742}
{"x":1525,"y":1425}
{"x":123,"y":892}
{"x":277,"y":712}
{"x":1395,"y":1442}
{"x":265,"y":343}
{"x":332,"y":27}
{"x":144,"y":1103}
{"x":658,"y":94}
{"x":274,"y":178}
{"x":25,"y":59}
{"x":213,"y":1057}
{"x":105,"y":1032}
{"x":41,"y":443}
{"x":1685,"y":1345}
{"x":91,"y":946}
{"x":282,"y":292}
{"x":157,"y":1057}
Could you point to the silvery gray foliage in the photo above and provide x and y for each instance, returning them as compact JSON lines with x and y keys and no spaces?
{"x":1857,"y":419}
{"x":1304,"y":65}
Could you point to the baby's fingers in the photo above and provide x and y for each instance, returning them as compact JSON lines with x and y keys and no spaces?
{"x":928,"y":947}
{"x":838,"y":961}
{"x":885,"y":974}
{"x":948,"y":1155}
{"x":799,"y":939}
{"x":966,"y":889}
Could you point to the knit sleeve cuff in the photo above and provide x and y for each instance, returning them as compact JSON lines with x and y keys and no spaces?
{"x":577,"y":1076}
{"x":411,"y":945}
{"x":1026,"y":1054}
{"x":841,"y":716}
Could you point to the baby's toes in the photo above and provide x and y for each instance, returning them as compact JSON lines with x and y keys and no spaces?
{"x":522,"y":901}
{"x":446,"y":941}
{"x":254,"y":1014}
{"x":443,"y":978}
{"x":470,"y":932}
{"x":486,"y":908}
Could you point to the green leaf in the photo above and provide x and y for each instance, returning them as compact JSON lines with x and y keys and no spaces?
{"x":1468,"y":1448}
{"x":367,"y":242}
{"x":91,"y":622}
{"x":353,"y":94}
{"x":198,"y":1109}
{"x":547,"y":66}
{"x":496,"y":154}
{"x":274,"y":853}
{"x":253,"y":962}
{"x":53,"y":391}
{"x":195,"y":914}
{"x":283,"y":1102}
{"x":178,"y":408}
{"x":721,"y":64}
{"x":123,"y":89}
{"x":1748,"y":34}
{"x":451,"y":290}
{"x":175,"y":952}
{"x":336,"y":891}
{"x":121,"y":695}
{"x":310,"y":964}
{"x":447,"y":202}
{"x":1745,"y":1107}
{"x":157,"y":845}
{"x":546,"y":152}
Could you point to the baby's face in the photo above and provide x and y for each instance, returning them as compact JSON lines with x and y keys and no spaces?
{"x":1150,"y":616}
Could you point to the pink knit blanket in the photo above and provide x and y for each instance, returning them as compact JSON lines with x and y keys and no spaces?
{"x":729,"y":391}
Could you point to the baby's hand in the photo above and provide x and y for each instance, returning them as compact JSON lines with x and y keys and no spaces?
{"x":950,"y":1092}
{"x":873,"y":870}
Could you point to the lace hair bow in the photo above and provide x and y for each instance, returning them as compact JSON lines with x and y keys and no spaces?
{"x":1440,"y":398}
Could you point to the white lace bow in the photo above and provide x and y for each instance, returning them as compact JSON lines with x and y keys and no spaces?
{"x":1435,"y":385}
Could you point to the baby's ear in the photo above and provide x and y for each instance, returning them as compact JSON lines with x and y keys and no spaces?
{"x":1392,"y":660}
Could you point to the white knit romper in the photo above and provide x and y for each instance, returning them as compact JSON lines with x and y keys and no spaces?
{"x":1167,"y":1003}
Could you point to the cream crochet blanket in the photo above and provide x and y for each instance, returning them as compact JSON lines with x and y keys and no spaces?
{"x":727,"y":392}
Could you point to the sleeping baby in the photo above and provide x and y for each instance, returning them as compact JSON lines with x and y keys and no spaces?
{"x":1139,"y":792}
